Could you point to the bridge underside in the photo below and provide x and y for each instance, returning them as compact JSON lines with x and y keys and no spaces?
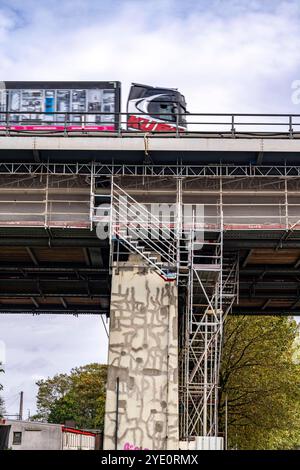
{"x":53,"y":270}
{"x":66,"y":271}
{"x":51,"y":260}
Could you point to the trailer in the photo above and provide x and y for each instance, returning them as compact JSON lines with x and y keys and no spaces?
{"x":60,"y":106}
{"x":76,"y":439}
{"x":32,"y":435}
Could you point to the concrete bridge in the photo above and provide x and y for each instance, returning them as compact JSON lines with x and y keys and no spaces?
{"x":166,"y":302}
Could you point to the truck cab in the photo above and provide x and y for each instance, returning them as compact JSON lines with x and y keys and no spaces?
{"x":153,"y":109}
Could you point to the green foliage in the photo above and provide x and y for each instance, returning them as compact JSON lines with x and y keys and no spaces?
{"x":261,"y":379}
{"x":78,"y":396}
{"x":260,"y":375}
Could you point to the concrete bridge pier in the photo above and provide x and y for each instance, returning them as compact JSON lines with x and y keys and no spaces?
{"x":142,"y":388}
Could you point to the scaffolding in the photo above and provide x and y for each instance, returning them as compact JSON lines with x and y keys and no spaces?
{"x":98,"y":169}
{"x":63,"y":195}
{"x":209,"y":282}
{"x":210,"y":293}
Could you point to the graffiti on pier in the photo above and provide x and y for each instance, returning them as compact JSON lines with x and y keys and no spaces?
{"x":143,"y":355}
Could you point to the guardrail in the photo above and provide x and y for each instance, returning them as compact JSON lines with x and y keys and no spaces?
{"x":176,"y":125}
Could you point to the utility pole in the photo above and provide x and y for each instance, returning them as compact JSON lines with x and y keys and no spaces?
{"x":21,"y":406}
{"x":226,"y":422}
{"x":117,"y":412}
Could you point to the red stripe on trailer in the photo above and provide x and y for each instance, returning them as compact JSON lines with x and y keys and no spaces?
{"x":78,"y":431}
{"x":44,"y":127}
{"x":257,"y":226}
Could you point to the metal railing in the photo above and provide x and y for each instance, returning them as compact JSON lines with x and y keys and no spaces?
{"x":176,"y":125}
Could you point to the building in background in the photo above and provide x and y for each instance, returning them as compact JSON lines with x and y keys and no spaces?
{"x":30,"y":435}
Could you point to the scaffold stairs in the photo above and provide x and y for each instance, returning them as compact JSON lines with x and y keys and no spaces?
{"x":229,"y":281}
{"x":143,"y":233}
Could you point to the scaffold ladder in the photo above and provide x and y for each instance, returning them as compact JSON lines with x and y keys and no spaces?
{"x":210,"y":292}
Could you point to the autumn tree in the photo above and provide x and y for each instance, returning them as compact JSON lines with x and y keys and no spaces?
{"x":260,"y":376}
{"x":261,"y":379}
{"x":78,"y":396}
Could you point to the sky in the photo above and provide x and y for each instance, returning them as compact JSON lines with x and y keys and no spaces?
{"x":223,"y":55}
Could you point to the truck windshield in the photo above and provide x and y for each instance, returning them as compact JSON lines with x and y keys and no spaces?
{"x":164,"y":110}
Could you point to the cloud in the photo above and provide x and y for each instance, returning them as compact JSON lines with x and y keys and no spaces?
{"x":225,"y":56}
{"x":38,"y":347}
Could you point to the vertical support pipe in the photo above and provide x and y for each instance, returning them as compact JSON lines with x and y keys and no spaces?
{"x":291,"y":127}
{"x":232,"y":126}
{"x":46,"y":201}
{"x":177,"y":122}
{"x":169,"y":397}
{"x":191,"y":286}
{"x":286,"y":204}
{"x":205,"y":381}
{"x":217,"y":346}
{"x":117,"y":412}
{"x":226,"y":422}
{"x":188,"y":326}
{"x":92,"y":197}
{"x":179,"y":225}
{"x":119,"y":117}
{"x":111,"y":215}
{"x":65,"y":124}
{"x":220,"y":316}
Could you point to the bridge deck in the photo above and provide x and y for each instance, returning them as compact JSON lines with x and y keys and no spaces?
{"x":195,"y":149}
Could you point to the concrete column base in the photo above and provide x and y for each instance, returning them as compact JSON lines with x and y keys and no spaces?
{"x":143,"y":354}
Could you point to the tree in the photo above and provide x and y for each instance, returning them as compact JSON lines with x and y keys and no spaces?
{"x":260,"y":376}
{"x":78,"y":396}
{"x":261,"y":380}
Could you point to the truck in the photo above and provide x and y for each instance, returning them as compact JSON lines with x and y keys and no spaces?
{"x":88,"y":106}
